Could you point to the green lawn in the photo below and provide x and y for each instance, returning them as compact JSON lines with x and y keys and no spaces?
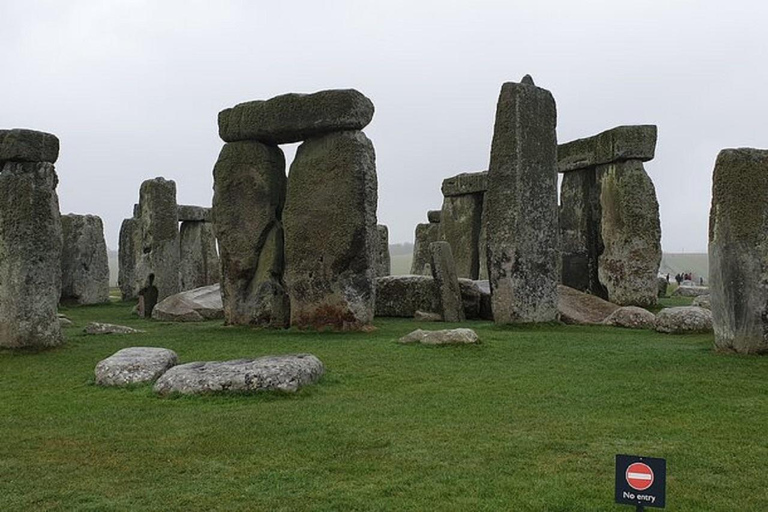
{"x":529,"y":420}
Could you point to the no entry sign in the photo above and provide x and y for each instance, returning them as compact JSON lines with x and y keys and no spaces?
{"x":641,"y":481}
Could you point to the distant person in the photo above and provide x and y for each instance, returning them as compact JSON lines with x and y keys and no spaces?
{"x":679,"y":279}
{"x":701,"y":281}
{"x":667,"y":277}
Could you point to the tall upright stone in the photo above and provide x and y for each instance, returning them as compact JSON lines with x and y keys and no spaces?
{"x":330,"y":232}
{"x":129,"y":253}
{"x":159,"y":223}
{"x":199,"y":260}
{"x":424,"y":235}
{"x":84,"y":260}
{"x":249,"y":194}
{"x":521,"y":203}
{"x":738,"y":250}
{"x":447,"y":282}
{"x":383,"y":261}
{"x":461,"y":220}
{"x":30,"y":240}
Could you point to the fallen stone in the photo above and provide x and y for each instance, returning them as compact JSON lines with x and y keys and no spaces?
{"x":296,"y":117}
{"x":521,"y":207}
{"x":101,"y":328}
{"x":581,"y":308}
{"x":702,"y":301}
{"x":84,"y":261}
{"x":631,"y":317}
{"x":690,"y":291}
{"x":684,"y":320}
{"x":447,"y":282}
{"x":330,"y":232}
{"x":20,"y":145}
{"x":402,"y":296}
{"x":65,"y":322}
{"x":460,"y":336}
{"x":465,"y":183}
{"x":271,"y":373}
{"x":30,"y":256}
{"x":196,"y":305}
{"x":192,"y":213}
{"x":134,"y":365}
{"x":422,"y":316}
{"x":614,"y":145}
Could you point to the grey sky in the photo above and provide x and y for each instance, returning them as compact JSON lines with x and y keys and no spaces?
{"x":133,"y":88}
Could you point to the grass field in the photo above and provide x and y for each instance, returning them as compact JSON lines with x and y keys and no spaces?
{"x":529,"y":420}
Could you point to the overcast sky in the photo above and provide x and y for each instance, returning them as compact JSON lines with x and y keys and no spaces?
{"x":133,"y":88}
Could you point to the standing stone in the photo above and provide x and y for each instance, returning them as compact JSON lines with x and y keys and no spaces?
{"x":249,"y":194}
{"x":383,"y":262}
{"x":199,"y":259}
{"x":30,"y":255}
{"x":84,"y":261}
{"x":631,"y":234}
{"x":128,"y":256}
{"x":330,"y":232}
{"x":159,"y":237}
{"x":447,"y":282}
{"x":738,"y":250}
{"x":521,"y":202}
{"x":425,"y":234}
{"x":461,"y":220}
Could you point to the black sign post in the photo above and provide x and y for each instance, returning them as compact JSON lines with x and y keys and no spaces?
{"x":641,"y":481}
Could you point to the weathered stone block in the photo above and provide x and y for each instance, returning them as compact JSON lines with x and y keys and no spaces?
{"x":249,"y":194}
{"x":425,"y":234}
{"x":631,"y":234}
{"x":614,"y":145}
{"x":460,"y":226}
{"x":465,"y":183}
{"x":19,"y":145}
{"x":521,"y":202}
{"x":199,"y":261}
{"x":434,"y":216}
{"x":194,"y":213}
{"x":738,"y":250}
{"x":383,"y":261}
{"x":447,"y":282}
{"x":296,"y":117}
{"x":330,"y":232}
{"x":84,"y":261}
{"x":129,"y":254}
{"x":30,"y":255}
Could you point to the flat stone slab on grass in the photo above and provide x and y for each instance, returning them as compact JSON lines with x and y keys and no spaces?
{"x":631,"y":317}
{"x":581,"y":308}
{"x":196,"y":305}
{"x":460,"y":336}
{"x":101,"y":328}
{"x":684,"y":320}
{"x":690,"y":291}
{"x":270,"y":373}
{"x":134,"y":365}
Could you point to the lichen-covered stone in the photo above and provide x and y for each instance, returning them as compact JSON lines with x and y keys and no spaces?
{"x":159,"y":228}
{"x":581,"y":239}
{"x":194,"y":213}
{"x":690,"y":291}
{"x":684,"y":320}
{"x":447,"y":282}
{"x":631,"y":234}
{"x":614,"y":145}
{"x":249,"y":194}
{"x":20,"y":145}
{"x":425,"y":234}
{"x":128,"y":257}
{"x":286,"y":373}
{"x":631,"y":317}
{"x":30,"y":255}
{"x":521,"y":207}
{"x":199,"y":260}
{"x":465,"y":183}
{"x":402,"y":296}
{"x":738,"y":250}
{"x":330,"y":232}
{"x":196,"y":305}
{"x":84,"y":260}
{"x":383,"y":261}
{"x":460,"y":226}
{"x":296,"y":117}
{"x":134,"y":365}
{"x":434,"y":216}
{"x":581,"y":308}
{"x":461,"y":336}
{"x":703,"y":301}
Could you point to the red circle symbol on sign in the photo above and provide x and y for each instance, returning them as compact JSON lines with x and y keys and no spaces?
{"x":639,"y":476}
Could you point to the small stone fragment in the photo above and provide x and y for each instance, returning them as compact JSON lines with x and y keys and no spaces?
{"x":102,"y":328}
{"x":423,"y":316}
{"x":461,"y":336}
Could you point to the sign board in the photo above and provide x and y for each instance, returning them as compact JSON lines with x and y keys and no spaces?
{"x":641,"y":481}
